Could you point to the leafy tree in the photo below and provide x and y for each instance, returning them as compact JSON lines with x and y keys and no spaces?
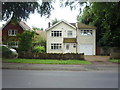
{"x":39,"y":49}
{"x":105,"y":16}
{"x":21,"y":10}
{"x":55,"y":21}
{"x":25,"y":41}
{"x":35,"y":28}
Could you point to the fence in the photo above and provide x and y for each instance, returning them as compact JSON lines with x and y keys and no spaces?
{"x":59,"y":56}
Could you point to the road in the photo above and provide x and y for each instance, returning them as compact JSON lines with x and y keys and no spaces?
{"x":59,"y":79}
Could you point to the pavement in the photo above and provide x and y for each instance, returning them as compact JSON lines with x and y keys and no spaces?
{"x":99,"y":63}
{"x":91,"y":67}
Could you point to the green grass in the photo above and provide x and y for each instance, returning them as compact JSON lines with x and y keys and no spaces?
{"x":115,"y":60}
{"x":42,"y":61}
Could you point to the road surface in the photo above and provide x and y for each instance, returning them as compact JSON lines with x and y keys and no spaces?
{"x":59,"y":79}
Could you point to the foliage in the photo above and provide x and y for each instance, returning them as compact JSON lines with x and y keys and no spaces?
{"x":39,"y":40}
{"x":105,"y":16}
{"x":7,"y":53}
{"x":55,"y":21}
{"x":39,"y":49}
{"x":47,"y":61}
{"x":25,"y":8}
{"x":25,"y":41}
{"x":35,"y":28}
{"x":115,"y":60}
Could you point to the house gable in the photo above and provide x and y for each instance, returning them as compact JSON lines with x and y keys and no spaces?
{"x":70,"y":25}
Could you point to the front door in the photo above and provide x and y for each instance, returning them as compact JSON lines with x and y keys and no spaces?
{"x":67,"y":48}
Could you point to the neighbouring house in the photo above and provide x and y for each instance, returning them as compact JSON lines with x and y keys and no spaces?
{"x":64,"y":37}
{"x":10,"y":30}
{"x":40,"y":38}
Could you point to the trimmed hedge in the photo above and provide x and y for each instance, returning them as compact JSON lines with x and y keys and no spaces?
{"x":59,"y":56}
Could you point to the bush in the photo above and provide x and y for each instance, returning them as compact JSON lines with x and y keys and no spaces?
{"x":7,"y":53}
{"x":38,"y":49}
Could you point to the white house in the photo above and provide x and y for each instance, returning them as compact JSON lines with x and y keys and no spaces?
{"x":64,"y":37}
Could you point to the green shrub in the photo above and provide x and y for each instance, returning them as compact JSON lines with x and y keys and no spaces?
{"x":6,"y":53}
{"x":39,"y":49}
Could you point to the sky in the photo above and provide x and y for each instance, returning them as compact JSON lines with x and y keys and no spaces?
{"x":61,"y":13}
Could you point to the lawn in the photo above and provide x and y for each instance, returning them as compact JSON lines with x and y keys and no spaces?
{"x":47,"y":61}
{"x":115,"y":60}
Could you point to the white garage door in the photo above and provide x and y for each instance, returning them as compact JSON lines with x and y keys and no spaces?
{"x":87,"y":49}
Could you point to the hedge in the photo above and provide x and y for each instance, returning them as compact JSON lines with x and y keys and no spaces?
{"x":59,"y":56}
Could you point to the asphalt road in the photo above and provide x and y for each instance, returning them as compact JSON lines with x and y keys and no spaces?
{"x":59,"y":79}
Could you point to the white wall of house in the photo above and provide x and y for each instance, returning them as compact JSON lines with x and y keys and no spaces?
{"x":86,"y":43}
{"x":50,"y":39}
{"x":70,"y":49}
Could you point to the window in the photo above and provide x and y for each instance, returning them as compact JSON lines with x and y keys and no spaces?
{"x":56,"y":33}
{"x":86,"y":32}
{"x":12,"y":43}
{"x":56,"y":46}
{"x":69,"y":33}
{"x":12,"y":32}
{"x":74,"y":45}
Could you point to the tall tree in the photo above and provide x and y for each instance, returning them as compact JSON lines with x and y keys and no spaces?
{"x":21,"y":10}
{"x":105,"y":16}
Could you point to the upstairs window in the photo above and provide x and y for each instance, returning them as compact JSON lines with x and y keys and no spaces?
{"x":56,"y":33}
{"x":69,"y":33}
{"x":56,"y":46}
{"x":86,"y":32}
{"x":12,"y":32}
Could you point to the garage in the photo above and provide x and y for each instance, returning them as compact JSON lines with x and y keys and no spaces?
{"x":87,"y":49}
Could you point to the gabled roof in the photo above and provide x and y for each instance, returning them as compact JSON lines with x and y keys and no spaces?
{"x":84,"y":26}
{"x":61,"y":22}
{"x":69,"y":40}
{"x":24,"y":25}
{"x":21,"y":23}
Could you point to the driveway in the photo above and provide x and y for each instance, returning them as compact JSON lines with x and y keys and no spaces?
{"x":98,"y":59}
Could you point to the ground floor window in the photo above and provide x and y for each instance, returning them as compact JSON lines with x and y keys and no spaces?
{"x":56,"y":46}
{"x":12,"y":43}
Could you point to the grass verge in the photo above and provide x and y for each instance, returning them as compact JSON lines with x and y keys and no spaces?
{"x":45,"y":61}
{"x":115,"y":60}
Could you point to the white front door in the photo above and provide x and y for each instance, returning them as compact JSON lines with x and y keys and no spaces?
{"x":87,"y":49}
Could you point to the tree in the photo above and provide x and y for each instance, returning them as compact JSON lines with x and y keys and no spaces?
{"x":21,"y":10}
{"x":55,"y":21}
{"x":25,"y":41}
{"x":105,"y":16}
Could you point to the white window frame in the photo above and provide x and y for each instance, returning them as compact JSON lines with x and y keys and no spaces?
{"x":12,"y":32}
{"x":56,"y":46}
{"x":86,"y":32}
{"x":12,"y":43}
{"x":56,"y":33}
{"x":69,"y":33}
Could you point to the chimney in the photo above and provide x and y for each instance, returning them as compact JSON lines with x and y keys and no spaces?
{"x":48,"y":24}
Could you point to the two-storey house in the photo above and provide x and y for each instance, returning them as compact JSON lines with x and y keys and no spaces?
{"x":64,"y":37}
{"x":10,"y":30}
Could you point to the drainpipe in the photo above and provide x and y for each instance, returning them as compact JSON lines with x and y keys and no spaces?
{"x":76,"y":36}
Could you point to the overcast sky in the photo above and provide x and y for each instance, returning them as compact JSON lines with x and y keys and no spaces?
{"x":61,"y":13}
